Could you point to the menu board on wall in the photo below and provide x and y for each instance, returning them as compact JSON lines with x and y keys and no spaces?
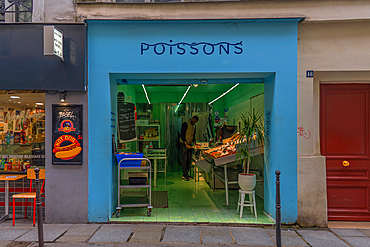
{"x":126,"y":122}
{"x":67,"y":135}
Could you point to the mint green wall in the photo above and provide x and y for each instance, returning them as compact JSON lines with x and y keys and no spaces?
{"x":169,"y":97}
{"x":129,"y":92}
{"x":237,"y":96}
{"x":240,"y":94}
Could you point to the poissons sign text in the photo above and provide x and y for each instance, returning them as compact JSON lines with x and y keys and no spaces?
{"x":182,"y":48}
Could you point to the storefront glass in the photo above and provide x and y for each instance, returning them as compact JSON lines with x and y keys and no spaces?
{"x":22,"y":128}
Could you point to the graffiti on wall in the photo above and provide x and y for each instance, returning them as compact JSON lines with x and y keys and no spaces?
{"x":304,"y":133}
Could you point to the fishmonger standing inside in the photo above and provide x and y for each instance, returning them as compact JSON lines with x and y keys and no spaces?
{"x":187,"y":138}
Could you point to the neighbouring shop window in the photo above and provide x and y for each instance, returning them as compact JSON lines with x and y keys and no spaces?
{"x":22,"y":130}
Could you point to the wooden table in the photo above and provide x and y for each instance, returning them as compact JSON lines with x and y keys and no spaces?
{"x":7,"y":178}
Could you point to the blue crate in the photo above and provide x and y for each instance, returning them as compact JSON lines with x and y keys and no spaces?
{"x":129,"y":163}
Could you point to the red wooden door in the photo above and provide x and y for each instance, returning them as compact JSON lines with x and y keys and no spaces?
{"x":345,"y":132}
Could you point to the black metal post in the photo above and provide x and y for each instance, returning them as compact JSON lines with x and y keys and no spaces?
{"x":39,"y":208}
{"x":278,"y":210}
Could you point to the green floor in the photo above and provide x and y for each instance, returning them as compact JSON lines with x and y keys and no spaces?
{"x":190,"y":201}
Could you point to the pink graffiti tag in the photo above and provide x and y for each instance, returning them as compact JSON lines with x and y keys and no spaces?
{"x":305,"y":133}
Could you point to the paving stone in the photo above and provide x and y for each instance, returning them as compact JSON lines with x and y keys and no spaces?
{"x":51,"y":232}
{"x":212,"y":239}
{"x":215,"y":230}
{"x":251,"y":236}
{"x":22,"y":223}
{"x":222,"y":245}
{"x":358,"y":241}
{"x":365,"y":231}
{"x":291,"y":241}
{"x":289,"y":233}
{"x":182,"y":234}
{"x":348,"y":233}
{"x":76,"y":245}
{"x":18,"y":244}
{"x":149,"y":228}
{"x":146,"y":237}
{"x":164,"y":245}
{"x":4,"y":243}
{"x":318,"y":238}
{"x":12,"y":233}
{"x":73,"y":239}
{"x":112,"y":233}
{"x":82,"y":229}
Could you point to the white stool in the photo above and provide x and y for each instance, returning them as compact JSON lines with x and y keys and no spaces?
{"x":250,"y":203}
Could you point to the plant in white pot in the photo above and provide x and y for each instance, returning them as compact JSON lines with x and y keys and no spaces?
{"x":251,"y":134}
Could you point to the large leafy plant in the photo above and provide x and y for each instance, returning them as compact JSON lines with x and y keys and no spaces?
{"x":251,"y":133}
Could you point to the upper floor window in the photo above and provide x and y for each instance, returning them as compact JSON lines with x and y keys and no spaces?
{"x":148,"y":1}
{"x":16,"y":10}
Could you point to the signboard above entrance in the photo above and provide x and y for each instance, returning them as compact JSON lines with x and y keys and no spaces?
{"x":181,"y":48}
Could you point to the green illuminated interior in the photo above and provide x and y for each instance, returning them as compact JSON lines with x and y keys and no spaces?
{"x":190,"y":201}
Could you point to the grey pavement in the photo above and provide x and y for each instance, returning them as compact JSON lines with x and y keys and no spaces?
{"x":172,"y":235}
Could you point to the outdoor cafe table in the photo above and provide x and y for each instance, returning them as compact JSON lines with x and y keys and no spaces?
{"x":7,"y":178}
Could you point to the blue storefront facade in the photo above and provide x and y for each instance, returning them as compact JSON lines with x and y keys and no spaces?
{"x":148,"y":52}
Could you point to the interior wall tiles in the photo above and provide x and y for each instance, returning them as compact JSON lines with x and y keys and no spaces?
{"x":236,"y":110}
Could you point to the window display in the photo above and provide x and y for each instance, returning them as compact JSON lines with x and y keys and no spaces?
{"x":22,"y":130}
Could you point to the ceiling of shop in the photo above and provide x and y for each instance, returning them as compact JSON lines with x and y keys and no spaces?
{"x":201,"y":88}
{"x":24,"y":100}
{"x":203,"y":93}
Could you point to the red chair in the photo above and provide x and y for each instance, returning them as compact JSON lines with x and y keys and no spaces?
{"x":31,"y":176}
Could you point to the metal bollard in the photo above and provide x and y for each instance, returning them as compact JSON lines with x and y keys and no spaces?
{"x":39,"y":209}
{"x":278,"y":210}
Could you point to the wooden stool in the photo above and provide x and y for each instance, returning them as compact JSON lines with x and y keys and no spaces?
{"x":243,"y":203}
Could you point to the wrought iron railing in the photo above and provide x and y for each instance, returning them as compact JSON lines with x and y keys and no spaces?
{"x":21,"y":9}
{"x":147,"y":1}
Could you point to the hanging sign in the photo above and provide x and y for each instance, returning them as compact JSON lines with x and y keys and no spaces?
{"x":53,"y":42}
{"x":67,"y":135}
{"x":126,"y":122}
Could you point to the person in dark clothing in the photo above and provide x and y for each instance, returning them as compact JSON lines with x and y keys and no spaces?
{"x":187,"y":138}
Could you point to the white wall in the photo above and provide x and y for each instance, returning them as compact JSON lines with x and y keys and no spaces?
{"x":338,"y":52}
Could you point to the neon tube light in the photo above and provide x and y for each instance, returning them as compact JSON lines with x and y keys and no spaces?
{"x":222,"y":95}
{"x":146,"y":94}
{"x":183,"y":97}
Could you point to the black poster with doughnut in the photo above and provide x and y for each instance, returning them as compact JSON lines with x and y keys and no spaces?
{"x":67,"y":135}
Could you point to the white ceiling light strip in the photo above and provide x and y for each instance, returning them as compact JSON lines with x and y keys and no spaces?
{"x":222,"y":95}
{"x":187,"y":90}
{"x":146,"y":94}
{"x":183,"y":97}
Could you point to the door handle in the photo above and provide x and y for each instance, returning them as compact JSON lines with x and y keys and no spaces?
{"x":345,"y":163}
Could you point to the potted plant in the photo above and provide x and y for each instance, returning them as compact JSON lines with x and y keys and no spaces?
{"x":251,"y":134}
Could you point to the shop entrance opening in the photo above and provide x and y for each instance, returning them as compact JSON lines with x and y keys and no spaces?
{"x":161,"y":110}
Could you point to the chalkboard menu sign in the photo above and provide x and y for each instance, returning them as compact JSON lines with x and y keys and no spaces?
{"x":67,"y":135}
{"x":126,"y":122}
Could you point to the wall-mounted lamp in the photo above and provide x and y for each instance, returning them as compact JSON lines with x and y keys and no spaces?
{"x":63,"y":96}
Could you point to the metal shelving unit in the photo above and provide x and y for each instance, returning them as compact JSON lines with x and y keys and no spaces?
{"x":146,"y":198}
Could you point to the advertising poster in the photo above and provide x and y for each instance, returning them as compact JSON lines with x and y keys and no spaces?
{"x":67,"y":135}
{"x":1,"y":115}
